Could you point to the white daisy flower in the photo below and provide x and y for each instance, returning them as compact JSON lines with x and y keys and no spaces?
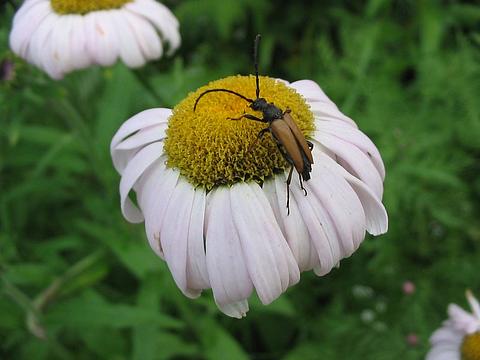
{"x":213,"y":195}
{"x":459,"y":337}
{"x":60,"y":36}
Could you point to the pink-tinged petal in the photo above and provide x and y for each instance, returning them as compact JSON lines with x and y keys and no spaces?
{"x":155,"y":189}
{"x":129,"y":49}
{"x":160,"y":16}
{"x":292,"y":226}
{"x":174,"y":234}
{"x":322,"y":109}
{"x":474,"y":305}
{"x":135,"y":168}
{"x":375,"y":213}
{"x":146,"y":36}
{"x":197,"y":273}
{"x":270,"y":262}
{"x":342,"y":204}
{"x":102,"y":36}
{"x":310,"y":91}
{"x":353,"y":160}
{"x":237,"y":309}
{"x":140,"y":121}
{"x":355,"y":137}
{"x":462,"y":320}
{"x":226,"y":266}
{"x":25,"y":23}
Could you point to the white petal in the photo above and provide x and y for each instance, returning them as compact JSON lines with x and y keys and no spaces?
{"x":102,"y":36}
{"x":160,"y":16}
{"x":197,"y":273}
{"x":135,"y":168}
{"x":270,"y":262}
{"x":353,"y":160}
{"x":237,"y":310}
{"x":146,"y":36}
{"x":310,"y":91}
{"x":292,"y":225}
{"x":129,"y":48}
{"x":174,"y":234}
{"x":155,"y":189}
{"x":320,"y":227}
{"x":78,"y":39}
{"x":474,"y":305}
{"x":135,"y":123}
{"x":143,"y":137}
{"x":329,"y":111}
{"x":355,"y":137}
{"x":226,"y":266}
{"x":342,"y":204}
{"x":375,"y":213}
{"x":25,"y":23}
{"x":462,"y":320}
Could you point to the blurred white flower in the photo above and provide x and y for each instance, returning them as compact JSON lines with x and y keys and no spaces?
{"x":459,"y":337}
{"x":60,"y":36}
{"x":213,"y":196}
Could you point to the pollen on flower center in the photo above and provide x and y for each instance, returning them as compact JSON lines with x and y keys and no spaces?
{"x":209,"y":149}
{"x":85,"y":6}
{"x":471,"y":347}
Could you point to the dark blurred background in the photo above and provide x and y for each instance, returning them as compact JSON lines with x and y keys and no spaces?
{"x":79,"y":282}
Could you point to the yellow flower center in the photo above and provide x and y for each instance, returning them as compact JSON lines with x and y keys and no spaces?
{"x":471,"y":347}
{"x":210,"y":150}
{"x":85,"y":6}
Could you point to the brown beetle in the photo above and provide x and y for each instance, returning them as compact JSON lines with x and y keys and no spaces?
{"x":291,"y":143}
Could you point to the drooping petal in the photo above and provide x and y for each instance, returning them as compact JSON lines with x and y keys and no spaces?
{"x":270,"y":262}
{"x":353,"y":160}
{"x":292,"y":225}
{"x":227,"y":270}
{"x":375,"y":213}
{"x":174,"y":234}
{"x":135,"y":168}
{"x":329,"y":111}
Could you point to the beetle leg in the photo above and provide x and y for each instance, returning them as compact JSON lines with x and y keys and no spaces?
{"x":248,"y":116}
{"x":310,"y":144}
{"x":289,"y":180}
{"x":262,"y":132}
{"x":301,"y":184}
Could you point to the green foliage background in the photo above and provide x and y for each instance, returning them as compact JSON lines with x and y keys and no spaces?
{"x":79,"y":282}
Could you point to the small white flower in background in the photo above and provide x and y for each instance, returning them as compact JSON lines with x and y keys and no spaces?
{"x":60,"y":36}
{"x":213,"y":196}
{"x":459,"y":337}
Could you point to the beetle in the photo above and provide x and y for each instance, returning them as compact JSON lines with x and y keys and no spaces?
{"x":291,"y":143}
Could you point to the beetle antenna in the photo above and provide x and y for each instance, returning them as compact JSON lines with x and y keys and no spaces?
{"x":255,"y":60}
{"x":220,"y":90}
